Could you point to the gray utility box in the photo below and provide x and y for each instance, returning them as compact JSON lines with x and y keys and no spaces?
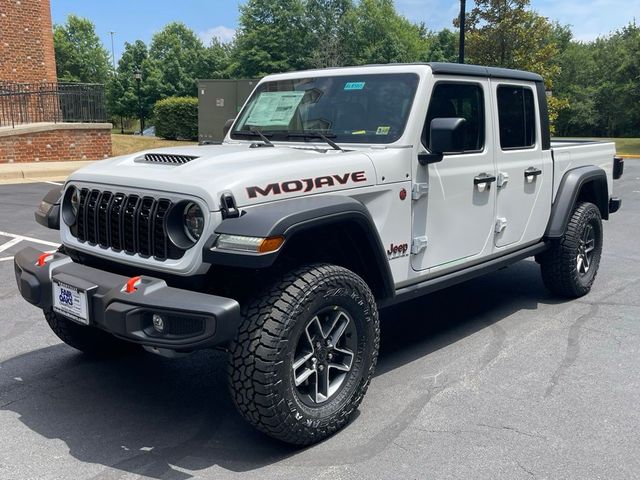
{"x":218,"y":101}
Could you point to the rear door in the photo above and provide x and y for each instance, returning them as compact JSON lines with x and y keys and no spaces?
{"x":522,"y":206}
{"x":456,"y":216}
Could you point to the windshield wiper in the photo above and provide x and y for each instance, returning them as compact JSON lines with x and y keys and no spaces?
{"x":255,"y":133}
{"x":324,"y":137}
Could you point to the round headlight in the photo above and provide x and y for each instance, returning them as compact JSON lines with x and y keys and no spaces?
{"x":193,"y":221}
{"x":70,"y":206}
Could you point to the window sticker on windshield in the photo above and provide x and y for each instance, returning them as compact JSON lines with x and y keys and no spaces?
{"x":354,"y":85}
{"x":383,"y":130}
{"x":359,"y":132}
{"x":274,"y":109}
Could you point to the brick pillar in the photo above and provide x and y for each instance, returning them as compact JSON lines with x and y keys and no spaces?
{"x":26,"y":42}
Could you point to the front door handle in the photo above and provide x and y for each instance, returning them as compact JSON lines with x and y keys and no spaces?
{"x":484,"y":179}
{"x":531,"y":173}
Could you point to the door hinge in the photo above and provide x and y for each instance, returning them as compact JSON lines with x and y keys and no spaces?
{"x":501,"y":224}
{"x":418,"y":244}
{"x":418,"y":190}
{"x":503,"y":178}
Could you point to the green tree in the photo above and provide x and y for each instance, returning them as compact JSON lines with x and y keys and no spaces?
{"x":272,"y":37}
{"x":80,"y":56}
{"x":444,"y":47}
{"x":507,"y":33}
{"x":377,"y":33}
{"x":177,"y":58}
{"x":326,"y":27}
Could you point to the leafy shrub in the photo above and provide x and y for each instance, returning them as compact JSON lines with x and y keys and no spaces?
{"x":177,"y":118}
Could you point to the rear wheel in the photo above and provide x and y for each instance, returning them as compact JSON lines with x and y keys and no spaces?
{"x":570,"y":266}
{"x":305,"y":354}
{"x":89,"y":340}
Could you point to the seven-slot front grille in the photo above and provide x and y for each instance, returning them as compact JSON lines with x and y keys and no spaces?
{"x":130,"y":223}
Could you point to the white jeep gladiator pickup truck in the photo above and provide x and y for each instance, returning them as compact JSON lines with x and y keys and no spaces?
{"x":335,"y":193}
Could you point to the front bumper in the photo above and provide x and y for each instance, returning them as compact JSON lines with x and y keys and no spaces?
{"x":193,"y":320}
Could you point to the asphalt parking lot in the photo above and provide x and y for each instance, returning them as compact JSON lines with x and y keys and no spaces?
{"x":491,"y":379}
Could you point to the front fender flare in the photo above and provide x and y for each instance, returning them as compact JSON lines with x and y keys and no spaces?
{"x":290,"y":217}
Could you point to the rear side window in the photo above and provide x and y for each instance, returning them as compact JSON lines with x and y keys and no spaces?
{"x":465,"y":100}
{"x":516,"y":116}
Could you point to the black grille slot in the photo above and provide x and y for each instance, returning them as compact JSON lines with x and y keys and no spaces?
{"x":159,"y":230}
{"x":91,"y":216}
{"x":168,"y":158}
{"x":125,"y":222}
{"x":129,"y":224}
{"x":144,"y":226}
{"x":103,"y":219}
{"x":81,"y":220}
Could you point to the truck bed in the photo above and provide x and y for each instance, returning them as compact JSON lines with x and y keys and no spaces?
{"x":573,"y":153}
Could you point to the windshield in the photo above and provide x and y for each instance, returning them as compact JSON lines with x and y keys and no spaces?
{"x":349,"y":109}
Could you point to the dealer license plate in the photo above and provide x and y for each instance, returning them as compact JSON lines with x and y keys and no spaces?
{"x":71,"y":302}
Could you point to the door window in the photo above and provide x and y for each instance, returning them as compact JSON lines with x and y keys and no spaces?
{"x":516,"y":117}
{"x":463,"y":100}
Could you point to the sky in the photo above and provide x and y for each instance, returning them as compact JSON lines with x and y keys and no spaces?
{"x":140,"y":19}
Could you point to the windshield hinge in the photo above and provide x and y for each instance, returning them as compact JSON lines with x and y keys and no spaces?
{"x":503,"y":178}
{"x":418,"y":244}
{"x":418,"y":190}
{"x":228,"y":207}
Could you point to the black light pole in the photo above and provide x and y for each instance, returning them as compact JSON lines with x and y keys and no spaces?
{"x":462,"y":18}
{"x":138,"y":76}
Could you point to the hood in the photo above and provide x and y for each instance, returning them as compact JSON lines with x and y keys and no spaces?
{"x":252,"y":175}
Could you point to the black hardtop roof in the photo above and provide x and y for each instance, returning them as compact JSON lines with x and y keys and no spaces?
{"x":443,"y":68}
{"x":480,"y":71}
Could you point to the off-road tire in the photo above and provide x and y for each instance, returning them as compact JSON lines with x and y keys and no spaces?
{"x":87,"y":339}
{"x":559,"y":263}
{"x":261,"y":356}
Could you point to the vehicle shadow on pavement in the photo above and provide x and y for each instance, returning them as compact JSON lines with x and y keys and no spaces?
{"x":165,"y":418}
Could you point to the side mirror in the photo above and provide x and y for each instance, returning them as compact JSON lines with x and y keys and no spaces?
{"x":227,"y":126}
{"x":447,"y":136}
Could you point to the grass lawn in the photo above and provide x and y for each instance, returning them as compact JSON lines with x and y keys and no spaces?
{"x":124,"y":144}
{"x":624,"y":146}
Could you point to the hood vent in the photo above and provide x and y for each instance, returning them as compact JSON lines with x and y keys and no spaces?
{"x":166,"y":158}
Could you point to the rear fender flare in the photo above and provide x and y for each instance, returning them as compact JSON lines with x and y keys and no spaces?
{"x":569,"y":191}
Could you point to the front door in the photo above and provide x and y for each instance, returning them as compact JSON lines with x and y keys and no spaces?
{"x":456,"y":216}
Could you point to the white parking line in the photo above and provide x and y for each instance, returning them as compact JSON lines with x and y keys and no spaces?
{"x":5,"y":259}
{"x":20,"y":238}
{"x":53,"y":183}
{"x":9,"y":244}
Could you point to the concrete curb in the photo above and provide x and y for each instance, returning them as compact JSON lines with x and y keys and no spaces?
{"x":38,"y":171}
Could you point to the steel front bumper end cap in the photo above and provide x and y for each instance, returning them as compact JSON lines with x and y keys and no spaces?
{"x":190,"y":320}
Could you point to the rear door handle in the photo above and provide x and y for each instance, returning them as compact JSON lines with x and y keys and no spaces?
{"x":531,"y":173}
{"x":484,"y":178}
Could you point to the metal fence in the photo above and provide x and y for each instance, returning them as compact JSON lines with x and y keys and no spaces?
{"x":22,"y":103}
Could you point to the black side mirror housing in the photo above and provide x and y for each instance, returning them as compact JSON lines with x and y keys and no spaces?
{"x":48,"y":212}
{"x":227,"y":126}
{"x":447,"y":136}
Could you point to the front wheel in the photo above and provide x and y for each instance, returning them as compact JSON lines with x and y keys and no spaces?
{"x":305,"y":354}
{"x":570,"y":266}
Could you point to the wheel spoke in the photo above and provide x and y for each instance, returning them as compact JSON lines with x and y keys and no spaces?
{"x":301,"y":361}
{"x":322,"y":386}
{"x":586,"y":262}
{"x":300,"y":379}
{"x":580,"y":266}
{"x":338,"y":328}
{"x":342,"y":360}
{"x":313,"y":330}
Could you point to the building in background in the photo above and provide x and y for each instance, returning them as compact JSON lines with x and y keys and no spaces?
{"x":218,"y":101}
{"x":40,"y":118}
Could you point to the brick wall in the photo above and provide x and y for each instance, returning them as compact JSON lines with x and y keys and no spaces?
{"x":26,"y":41}
{"x":59,"y":142}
